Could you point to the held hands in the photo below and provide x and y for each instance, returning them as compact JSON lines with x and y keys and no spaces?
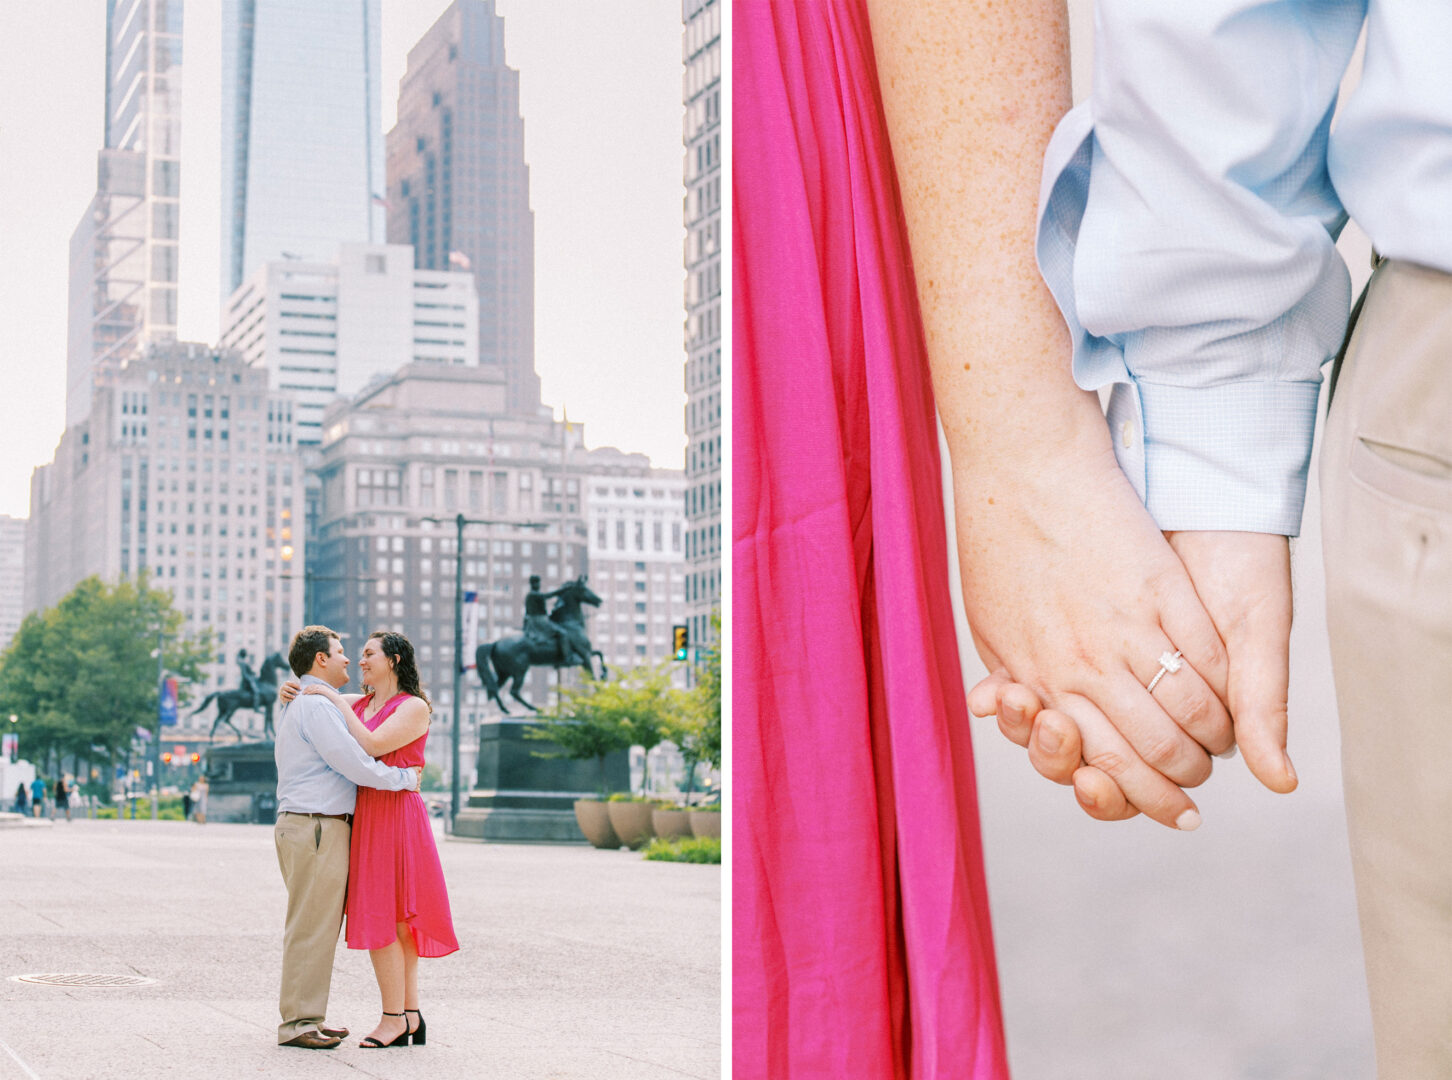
{"x":1243,"y":580}
{"x":1108,"y":596}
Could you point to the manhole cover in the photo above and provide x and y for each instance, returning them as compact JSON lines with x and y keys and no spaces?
{"x":83,"y":979}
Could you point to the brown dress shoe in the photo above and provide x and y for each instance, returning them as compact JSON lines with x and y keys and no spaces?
{"x":313,"y":1040}
{"x":334,"y":1033}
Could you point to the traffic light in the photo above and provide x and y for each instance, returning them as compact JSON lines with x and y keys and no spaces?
{"x":682,"y":639}
{"x":196,"y":758}
{"x":166,"y":758}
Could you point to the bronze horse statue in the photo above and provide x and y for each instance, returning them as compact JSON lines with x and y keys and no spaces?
{"x":508,"y":660}
{"x":231,"y":701}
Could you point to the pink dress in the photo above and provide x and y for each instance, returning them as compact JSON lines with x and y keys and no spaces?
{"x":394,"y":874}
{"x":861,"y":938}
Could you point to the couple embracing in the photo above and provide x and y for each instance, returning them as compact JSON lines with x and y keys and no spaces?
{"x":352,"y":825}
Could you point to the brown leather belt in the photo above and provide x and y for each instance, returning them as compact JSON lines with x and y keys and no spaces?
{"x":341,"y":817}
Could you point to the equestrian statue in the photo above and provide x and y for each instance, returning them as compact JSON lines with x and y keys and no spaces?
{"x":257,"y":692}
{"x":555,"y":640}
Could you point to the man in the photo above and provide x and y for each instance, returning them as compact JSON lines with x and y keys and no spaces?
{"x":319,"y":766}
{"x":248,"y":680}
{"x":537,"y":622}
{"x":1190,"y":211}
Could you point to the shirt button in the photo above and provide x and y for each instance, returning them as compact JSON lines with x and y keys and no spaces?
{"x":1126,"y":434}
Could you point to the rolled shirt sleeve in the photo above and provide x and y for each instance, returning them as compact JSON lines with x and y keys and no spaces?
{"x":1187,"y":228}
{"x":328,"y":733}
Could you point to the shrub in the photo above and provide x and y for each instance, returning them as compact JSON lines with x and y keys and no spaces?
{"x":692,"y":849}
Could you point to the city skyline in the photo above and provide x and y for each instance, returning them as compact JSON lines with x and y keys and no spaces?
{"x":608,"y":343}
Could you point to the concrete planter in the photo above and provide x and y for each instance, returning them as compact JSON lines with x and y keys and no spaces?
{"x":632,"y":822}
{"x":670,"y":824}
{"x":593,"y":817}
{"x":706,"y":823}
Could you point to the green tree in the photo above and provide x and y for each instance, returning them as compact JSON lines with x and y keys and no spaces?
{"x":83,"y":674}
{"x":605,"y":715}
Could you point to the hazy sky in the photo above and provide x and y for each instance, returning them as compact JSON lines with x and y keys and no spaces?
{"x":600,"y":87}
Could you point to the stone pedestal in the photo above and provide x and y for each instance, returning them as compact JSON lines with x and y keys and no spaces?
{"x":523,"y":795}
{"x":242,"y":783}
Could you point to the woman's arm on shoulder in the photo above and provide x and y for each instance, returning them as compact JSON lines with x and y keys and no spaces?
{"x":408,"y":722}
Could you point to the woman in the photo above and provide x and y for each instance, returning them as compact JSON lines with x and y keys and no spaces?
{"x":62,"y":798}
{"x":397,"y":907}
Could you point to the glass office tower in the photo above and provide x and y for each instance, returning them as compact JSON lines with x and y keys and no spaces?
{"x":123,"y":260}
{"x":302,"y":149}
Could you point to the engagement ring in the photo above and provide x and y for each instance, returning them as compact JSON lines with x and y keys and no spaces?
{"x":1170,"y":663}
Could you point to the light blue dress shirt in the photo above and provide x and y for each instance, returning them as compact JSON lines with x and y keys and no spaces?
{"x":1188,"y":218}
{"x":319,"y":764}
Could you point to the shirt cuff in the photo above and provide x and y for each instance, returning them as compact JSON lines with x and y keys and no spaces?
{"x":1233,"y":457}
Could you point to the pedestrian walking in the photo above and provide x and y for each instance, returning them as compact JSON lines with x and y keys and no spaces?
{"x":22,"y":799}
{"x":202,"y":801}
{"x":187,"y":804}
{"x":37,"y":796}
{"x":62,"y":798}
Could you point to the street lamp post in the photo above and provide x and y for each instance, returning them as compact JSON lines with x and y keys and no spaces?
{"x":156,"y":742}
{"x":459,"y":522}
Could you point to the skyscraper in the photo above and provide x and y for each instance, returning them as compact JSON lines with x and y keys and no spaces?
{"x":123,"y":265}
{"x":458,"y":187}
{"x":302,"y":152}
{"x":702,"y":53}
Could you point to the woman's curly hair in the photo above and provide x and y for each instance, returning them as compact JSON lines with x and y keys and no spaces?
{"x":399,"y":649}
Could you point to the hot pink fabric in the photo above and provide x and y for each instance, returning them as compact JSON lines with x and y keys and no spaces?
{"x":861,"y":939}
{"x":394,"y":874}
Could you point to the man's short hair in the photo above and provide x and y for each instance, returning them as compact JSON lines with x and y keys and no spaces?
{"x":306,"y":644}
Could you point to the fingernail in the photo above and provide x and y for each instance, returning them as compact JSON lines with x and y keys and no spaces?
{"x":1013,"y":714}
{"x":1086,"y":801}
{"x":1189,"y":821}
{"x":1050,"y":740}
{"x":1228,"y":754}
{"x":1291,"y":769}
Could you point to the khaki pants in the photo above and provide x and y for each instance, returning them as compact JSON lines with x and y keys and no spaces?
{"x":313,"y":855}
{"x":1386,"y":474}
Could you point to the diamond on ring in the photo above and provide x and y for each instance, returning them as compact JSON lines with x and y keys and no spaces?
{"x":1169,"y":663}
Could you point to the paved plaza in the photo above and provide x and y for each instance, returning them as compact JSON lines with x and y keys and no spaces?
{"x":576,"y":964}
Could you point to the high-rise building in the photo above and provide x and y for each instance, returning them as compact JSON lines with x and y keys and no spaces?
{"x":398,"y":463}
{"x":123,"y":262}
{"x":302,"y":144}
{"x":12,"y":577}
{"x":637,"y":555}
{"x":328,"y":327}
{"x":187,"y":469}
{"x":702,"y":53}
{"x":458,"y":187}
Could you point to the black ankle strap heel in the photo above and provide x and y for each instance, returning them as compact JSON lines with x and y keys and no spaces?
{"x":370,"y":1043}
{"x":420,"y":1033}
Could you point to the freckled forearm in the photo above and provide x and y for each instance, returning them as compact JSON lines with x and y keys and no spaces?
{"x":972,"y":91}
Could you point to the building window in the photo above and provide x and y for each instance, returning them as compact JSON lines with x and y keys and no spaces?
{"x":376,"y":264}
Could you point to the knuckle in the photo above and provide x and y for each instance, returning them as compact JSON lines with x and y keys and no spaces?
{"x":1198,"y":711}
{"x":1110,"y":762}
{"x":1162,"y":752}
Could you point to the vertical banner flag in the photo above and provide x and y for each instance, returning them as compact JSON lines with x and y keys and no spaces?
{"x":10,"y":750}
{"x":168,"y":702}
{"x":471,"y":629}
